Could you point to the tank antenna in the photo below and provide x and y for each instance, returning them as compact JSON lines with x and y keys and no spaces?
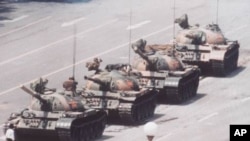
{"x":174,"y":28}
{"x":130,"y":31}
{"x":74,"y":51}
{"x":217,"y":12}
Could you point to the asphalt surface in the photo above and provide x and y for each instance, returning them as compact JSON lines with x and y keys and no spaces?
{"x":37,"y":38}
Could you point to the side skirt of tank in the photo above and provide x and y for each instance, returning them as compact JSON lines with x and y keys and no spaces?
{"x":84,"y":129}
{"x":139,"y":111}
{"x":182,"y":90}
{"x":223,"y":67}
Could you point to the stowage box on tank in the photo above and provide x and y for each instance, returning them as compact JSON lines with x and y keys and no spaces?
{"x":57,"y":117}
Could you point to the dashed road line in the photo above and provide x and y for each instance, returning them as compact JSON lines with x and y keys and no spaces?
{"x":73,"y":22}
{"x":138,"y":25}
{"x":54,"y":43}
{"x":26,"y":26}
{"x":15,"y":20}
{"x":208,"y":116}
{"x":245,"y":99}
{"x":84,"y":60}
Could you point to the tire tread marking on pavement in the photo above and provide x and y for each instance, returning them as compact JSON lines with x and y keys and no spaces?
{"x":86,"y":59}
{"x":138,"y":25}
{"x":72,"y":22}
{"x":15,"y":20}
{"x":56,"y":42}
{"x":26,"y":26}
{"x":208,"y":116}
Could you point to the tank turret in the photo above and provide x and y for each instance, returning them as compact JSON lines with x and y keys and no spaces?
{"x":155,"y":61}
{"x":58,"y":117}
{"x":163,"y":70}
{"x":112,"y":81}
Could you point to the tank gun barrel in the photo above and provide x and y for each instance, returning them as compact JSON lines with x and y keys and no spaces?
{"x":32,"y":93}
{"x":95,"y":80}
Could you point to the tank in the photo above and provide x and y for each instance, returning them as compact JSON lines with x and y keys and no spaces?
{"x":120,"y":94}
{"x":58,"y":117}
{"x":162,"y":70}
{"x":206,"y":47}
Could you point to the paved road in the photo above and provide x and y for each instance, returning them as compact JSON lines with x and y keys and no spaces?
{"x":37,"y":38}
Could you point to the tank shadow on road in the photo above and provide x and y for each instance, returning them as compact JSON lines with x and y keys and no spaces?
{"x":162,"y":100}
{"x":236,"y":72}
{"x":194,"y":99}
{"x":104,"y":137}
{"x":117,"y":121}
{"x":4,"y":9}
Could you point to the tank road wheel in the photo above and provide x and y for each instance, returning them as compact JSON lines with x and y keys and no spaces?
{"x":103,"y":123}
{"x":148,"y":110}
{"x":144,"y":111}
{"x":235,"y":59}
{"x":96,"y":129}
{"x":180,"y":92}
{"x":91,"y":131}
{"x":83,"y":134}
{"x":75,"y":134}
{"x":87,"y":136}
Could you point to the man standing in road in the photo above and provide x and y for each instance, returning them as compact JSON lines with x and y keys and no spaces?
{"x":10,"y":133}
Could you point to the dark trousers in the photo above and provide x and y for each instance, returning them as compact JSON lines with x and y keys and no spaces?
{"x":9,"y":139}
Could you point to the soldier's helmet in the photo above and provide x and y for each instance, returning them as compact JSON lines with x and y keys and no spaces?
{"x":70,"y":85}
{"x":94,"y":65}
{"x":183,"y":21}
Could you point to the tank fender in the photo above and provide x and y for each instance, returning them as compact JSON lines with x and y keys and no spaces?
{"x":217,"y":54}
{"x":172,"y":82}
{"x":64,"y":123}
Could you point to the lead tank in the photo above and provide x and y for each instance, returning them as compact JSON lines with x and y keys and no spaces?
{"x":206,"y":47}
{"x":162,"y":70}
{"x":120,"y":94}
{"x":56,"y":117}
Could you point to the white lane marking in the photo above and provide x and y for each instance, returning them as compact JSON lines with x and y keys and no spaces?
{"x":14,"y":20}
{"x":86,"y":59}
{"x":245,"y":99}
{"x":208,"y":116}
{"x":138,"y":25}
{"x":72,"y":22}
{"x":23,"y":27}
{"x":234,"y":30}
{"x":56,"y":42}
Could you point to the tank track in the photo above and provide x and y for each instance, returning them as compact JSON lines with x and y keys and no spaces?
{"x":82,"y":129}
{"x":139,"y":111}
{"x":187,"y":88}
{"x":223,"y":67}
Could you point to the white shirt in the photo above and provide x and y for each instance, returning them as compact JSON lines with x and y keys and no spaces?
{"x":10,"y":134}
